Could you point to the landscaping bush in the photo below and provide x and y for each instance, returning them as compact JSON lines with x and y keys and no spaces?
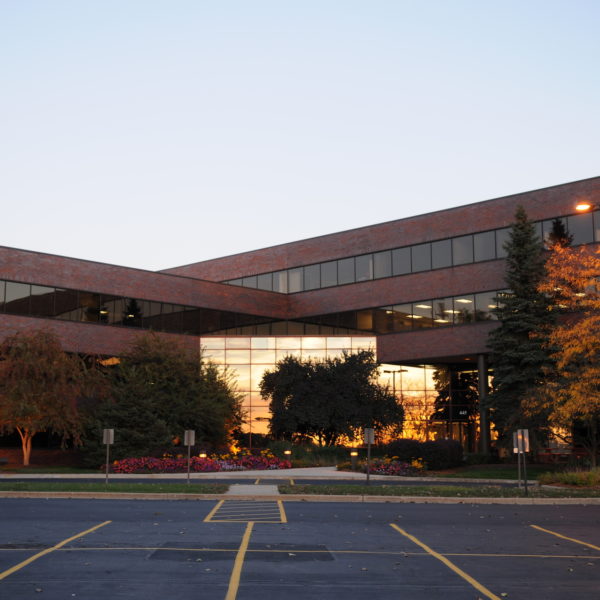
{"x":581,"y":478}
{"x":403,"y":449}
{"x":442,"y":454}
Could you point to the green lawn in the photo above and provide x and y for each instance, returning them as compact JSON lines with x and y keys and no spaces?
{"x":496,"y":471}
{"x":141,"y":488}
{"x":448,"y":491}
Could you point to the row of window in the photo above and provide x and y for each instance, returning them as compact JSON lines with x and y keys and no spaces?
{"x":461,"y":250}
{"x":77,"y":305}
{"x":89,"y":307}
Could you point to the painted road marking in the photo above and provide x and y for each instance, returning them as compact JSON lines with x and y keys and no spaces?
{"x":234,"y":581}
{"x":478,"y":586}
{"x":243,"y":511}
{"x":49,"y":550}
{"x":564,"y":537}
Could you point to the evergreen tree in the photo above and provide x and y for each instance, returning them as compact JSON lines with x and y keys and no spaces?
{"x":520,"y":359}
{"x":159,"y":390}
{"x":559,"y":235}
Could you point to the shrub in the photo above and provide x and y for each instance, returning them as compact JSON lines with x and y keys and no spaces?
{"x":442,"y":454}
{"x":579,"y":478}
{"x":404,"y":449}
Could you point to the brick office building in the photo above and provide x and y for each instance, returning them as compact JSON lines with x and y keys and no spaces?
{"x":421,"y":288}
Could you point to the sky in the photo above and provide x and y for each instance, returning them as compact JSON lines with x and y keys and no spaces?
{"x":153,"y":134}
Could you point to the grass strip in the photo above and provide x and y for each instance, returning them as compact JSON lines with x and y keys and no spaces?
{"x":133,"y":488}
{"x":446,"y":491}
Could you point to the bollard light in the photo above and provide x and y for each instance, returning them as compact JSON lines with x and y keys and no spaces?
{"x":287,"y":452}
{"x":202,"y":455}
{"x":354,"y":458}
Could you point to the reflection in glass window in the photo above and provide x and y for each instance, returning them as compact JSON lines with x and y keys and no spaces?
{"x":421,"y":257}
{"x":345,"y":343}
{"x":280,"y":282}
{"x":295,"y":280}
{"x":314,"y":343}
{"x":216,"y":356}
{"x":265,"y":282}
{"x":345,"y":271}
{"x":41,"y":303}
{"x":443,"y":311}
{"x":364,"y":267}
{"x":462,"y":250}
{"x":441,"y":254}
{"x":2,"y":286}
{"x":485,"y":303}
{"x":401,"y":315}
{"x":217,"y":343}
{"x":581,"y":227}
{"x":502,"y":236}
{"x":484,"y":245}
{"x":312,"y":277}
{"x":263,"y":343}
{"x":464,"y":309}
{"x":288,"y":343}
{"x":401,"y":263}
{"x":597,"y":226}
{"x":237,"y":357}
{"x":17,"y":298}
{"x":237,"y":342}
{"x":329,"y":274}
{"x":263,"y":356}
{"x":382,"y":264}
{"x":424,"y":312}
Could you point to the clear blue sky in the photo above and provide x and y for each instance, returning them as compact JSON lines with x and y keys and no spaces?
{"x":158,"y":133}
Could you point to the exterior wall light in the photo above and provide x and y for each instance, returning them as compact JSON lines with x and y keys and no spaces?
{"x":583,"y":206}
{"x":202,"y":455}
{"x":287,"y":452}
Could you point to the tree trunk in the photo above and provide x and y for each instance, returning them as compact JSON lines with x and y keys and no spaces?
{"x":26,"y":436}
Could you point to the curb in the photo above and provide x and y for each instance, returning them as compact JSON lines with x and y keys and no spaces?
{"x":301,"y":498}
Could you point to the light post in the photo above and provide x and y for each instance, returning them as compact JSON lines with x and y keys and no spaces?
{"x":394,"y":379}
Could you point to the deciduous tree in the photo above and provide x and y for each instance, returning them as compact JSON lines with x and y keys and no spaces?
{"x":574,"y":394}
{"x":329,"y":399}
{"x":39,"y":387}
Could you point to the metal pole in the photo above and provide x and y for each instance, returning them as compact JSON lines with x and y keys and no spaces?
{"x":525,"y":474}
{"x":484,"y":428}
{"x":369,"y":462}
{"x":188,"y":464}
{"x":107,"y":462}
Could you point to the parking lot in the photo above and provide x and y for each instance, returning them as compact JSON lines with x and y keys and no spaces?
{"x":235,"y":549}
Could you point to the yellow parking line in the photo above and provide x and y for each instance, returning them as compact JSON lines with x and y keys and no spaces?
{"x":48,"y":550}
{"x":210,"y":515}
{"x":234,"y":581}
{"x":282,"y":511}
{"x":257,"y":482}
{"x":292,"y":482}
{"x":564,"y":537}
{"x":478,"y":586}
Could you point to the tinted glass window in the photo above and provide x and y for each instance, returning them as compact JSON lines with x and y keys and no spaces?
{"x":280,"y":282}
{"x":401,"y":314}
{"x":443,"y":311}
{"x":597,"y":226}
{"x":312,"y":277}
{"x":17,"y":298}
{"x":424,"y":311}
{"x":364,"y":267}
{"x":441,"y":254}
{"x":382,"y":264}
{"x":42,"y":301}
{"x":329,"y":274}
{"x":484,"y":305}
{"x":66,"y":305}
{"x":401,"y":261}
{"x":265,"y":281}
{"x":345,"y":271}
{"x":250,"y":282}
{"x":462,"y":250}
{"x":502,"y":236}
{"x":421,"y":257}
{"x":2,"y":286}
{"x":484,"y":246}
{"x":464,"y":309}
{"x":581,"y":227}
{"x":295,"y":280}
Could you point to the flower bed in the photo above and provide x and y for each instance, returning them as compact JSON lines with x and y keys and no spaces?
{"x":149,"y":464}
